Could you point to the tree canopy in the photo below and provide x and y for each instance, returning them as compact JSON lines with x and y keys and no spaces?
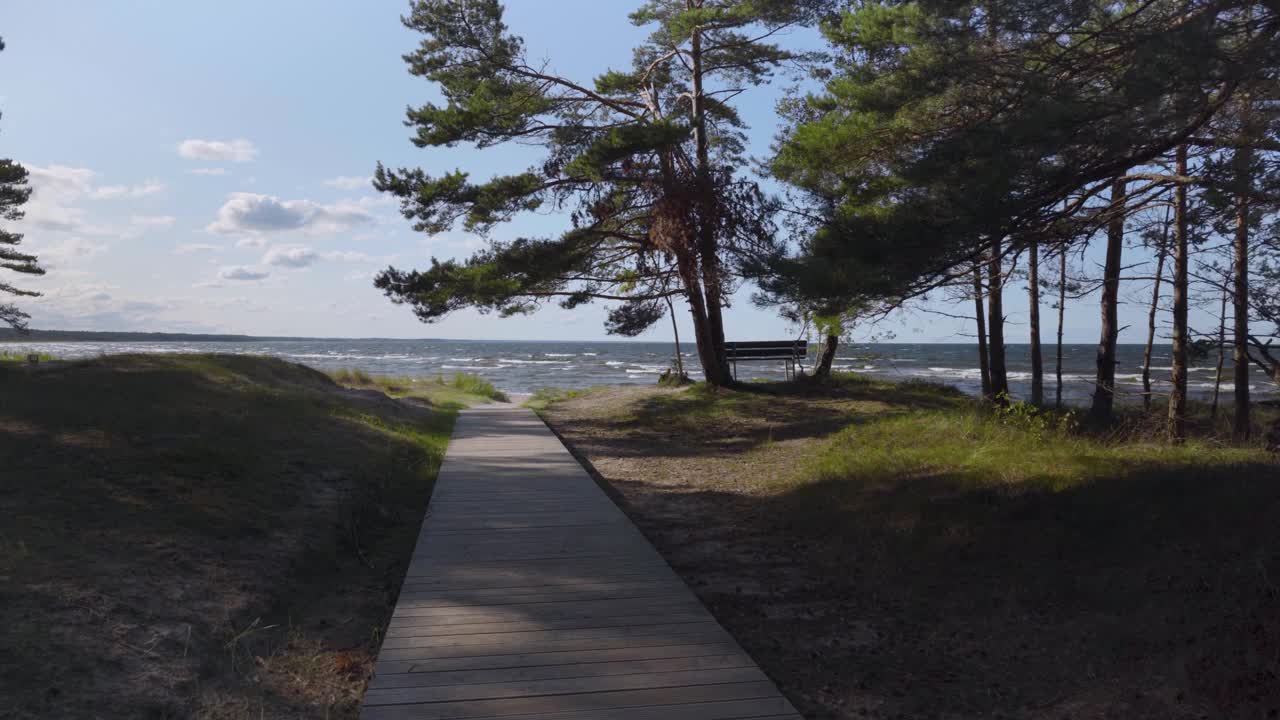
{"x":645,"y":162}
{"x":14,"y":193}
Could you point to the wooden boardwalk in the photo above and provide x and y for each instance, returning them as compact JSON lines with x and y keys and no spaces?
{"x":531,"y":595}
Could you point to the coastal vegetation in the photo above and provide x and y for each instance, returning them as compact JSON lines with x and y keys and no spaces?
{"x":207,"y":536}
{"x":459,"y":387}
{"x":930,"y":151}
{"x":903,"y":550}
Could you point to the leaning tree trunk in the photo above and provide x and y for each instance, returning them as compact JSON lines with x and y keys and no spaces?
{"x":1240,"y":429}
{"x":1151,"y":315}
{"x":828,"y":356}
{"x":1104,"y":393}
{"x":675,"y":331}
{"x":708,"y":248}
{"x":984,"y":363}
{"x":1033,"y":300}
{"x":1222,"y":356}
{"x":1062,"y":311}
{"x":713,"y":370}
{"x":1177,"y":423}
{"x":995,"y":323}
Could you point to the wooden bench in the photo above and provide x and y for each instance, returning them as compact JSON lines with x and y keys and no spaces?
{"x":788,"y":351}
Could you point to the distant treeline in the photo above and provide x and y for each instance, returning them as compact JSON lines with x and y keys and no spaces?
{"x":9,"y":334}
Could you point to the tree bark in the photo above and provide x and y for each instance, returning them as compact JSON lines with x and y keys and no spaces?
{"x":1240,"y":425}
{"x":675,"y":330}
{"x":995,"y":323}
{"x":1104,"y":392}
{"x":711,"y":367}
{"x":1151,"y":315}
{"x":828,"y":356}
{"x":708,"y":247}
{"x":984,"y":363}
{"x":1222,"y":355}
{"x":1062,"y":310}
{"x":1177,"y":420}
{"x":1033,"y":300}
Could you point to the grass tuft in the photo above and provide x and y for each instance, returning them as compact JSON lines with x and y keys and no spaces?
{"x":7,"y":356}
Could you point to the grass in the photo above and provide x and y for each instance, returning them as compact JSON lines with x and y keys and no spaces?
{"x":203,"y":536}
{"x":7,"y":356}
{"x":899,"y":550}
{"x":982,"y":449}
{"x":459,"y":389}
{"x":546,"y":397}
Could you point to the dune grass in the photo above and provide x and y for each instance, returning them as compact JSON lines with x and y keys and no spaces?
{"x":208,"y":536}
{"x":459,"y":389}
{"x":904,"y":549}
{"x":982,"y":448}
{"x":8,"y":356}
{"x":543,"y":398}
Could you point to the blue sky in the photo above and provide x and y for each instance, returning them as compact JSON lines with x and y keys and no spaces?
{"x":204,"y":167}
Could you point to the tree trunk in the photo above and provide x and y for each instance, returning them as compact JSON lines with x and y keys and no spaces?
{"x":712,"y":369}
{"x":1240,"y":429}
{"x":995,"y":323}
{"x":675,"y":330}
{"x":984,"y":364}
{"x":1222,"y":355}
{"x":1151,"y":315}
{"x":1062,"y":310}
{"x":1104,"y":392}
{"x":828,"y":356}
{"x":1177,"y":423}
{"x":1033,"y":299}
{"x":708,"y":247}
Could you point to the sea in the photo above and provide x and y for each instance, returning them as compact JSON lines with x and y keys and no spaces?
{"x":523,"y":366}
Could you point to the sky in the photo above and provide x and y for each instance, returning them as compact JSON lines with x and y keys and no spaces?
{"x":204,"y":167}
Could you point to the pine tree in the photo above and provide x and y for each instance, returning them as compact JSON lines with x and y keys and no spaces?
{"x":645,"y":159}
{"x":948,"y":130}
{"x":14,"y":193}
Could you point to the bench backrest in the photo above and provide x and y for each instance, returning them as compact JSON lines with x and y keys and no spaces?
{"x":766,"y":350}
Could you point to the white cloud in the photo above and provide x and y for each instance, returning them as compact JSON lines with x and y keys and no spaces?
{"x":230,"y":150}
{"x":253,"y":213}
{"x":108,"y":192}
{"x":195,"y":248}
{"x":290,"y":256}
{"x":250,"y":242}
{"x":153,"y":220}
{"x":60,"y":181}
{"x":69,"y":250}
{"x":345,"y":256}
{"x":240,"y":272}
{"x":350,"y":182}
{"x":56,"y":189}
{"x":207,"y":171}
{"x":90,"y":304}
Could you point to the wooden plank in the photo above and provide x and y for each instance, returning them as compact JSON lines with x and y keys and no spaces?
{"x":552,"y":672}
{"x":634,"y":651}
{"x":720,"y":710}
{"x":563,"y":686}
{"x":497,"y":646}
{"x":585,"y":702}
{"x":530,"y":595}
{"x":751,"y":344}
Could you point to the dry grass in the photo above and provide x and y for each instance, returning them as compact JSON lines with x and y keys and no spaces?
{"x":201,"y":536}
{"x":459,"y":389}
{"x":893,"y":551}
